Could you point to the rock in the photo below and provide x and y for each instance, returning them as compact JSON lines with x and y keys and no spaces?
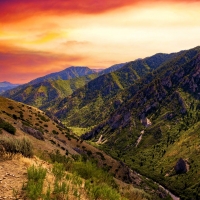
{"x":181,"y":166}
{"x":146,"y":122}
{"x":100,"y":140}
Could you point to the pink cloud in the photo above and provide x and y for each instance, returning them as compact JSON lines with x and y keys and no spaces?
{"x":15,"y":10}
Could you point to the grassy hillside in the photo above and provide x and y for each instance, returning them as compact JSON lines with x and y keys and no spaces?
{"x":28,"y":131}
{"x":158,"y":125}
{"x":43,"y":94}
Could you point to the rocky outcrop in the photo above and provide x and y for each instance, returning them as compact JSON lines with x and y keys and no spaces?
{"x":146,"y":122}
{"x":100,"y":140}
{"x":181,"y":166}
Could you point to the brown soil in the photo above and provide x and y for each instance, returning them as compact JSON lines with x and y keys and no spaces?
{"x":12,"y":177}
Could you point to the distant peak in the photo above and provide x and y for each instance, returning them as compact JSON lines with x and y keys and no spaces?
{"x":6,"y":82}
{"x":77,"y":67}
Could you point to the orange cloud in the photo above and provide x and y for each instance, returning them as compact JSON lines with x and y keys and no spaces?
{"x":74,"y":43}
{"x":90,"y":32}
{"x":15,"y":10}
{"x":21,"y":66}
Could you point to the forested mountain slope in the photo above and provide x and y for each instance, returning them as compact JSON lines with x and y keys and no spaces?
{"x":43,"y":94}
{"x":157,"y":130}
{"x":94,"y":102}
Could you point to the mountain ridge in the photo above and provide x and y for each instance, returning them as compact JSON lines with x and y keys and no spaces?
{"x":98,"y":92}
{"x":42,"y":92}
{"x":66,"y":74}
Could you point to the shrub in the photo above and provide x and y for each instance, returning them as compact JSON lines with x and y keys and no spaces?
{"x":11,"y":107}
{"x":7,"y":127}
{"x":55,"y":132}
{"x":52,"y":141}
{"x":35,"y":182}
{"x":134,"y":193}
{"x":101,"y":191}
{"x":89,"y":170}
{"x":43,"y":118}
{"x":15,"y":117}
{"x":58,"y":170}
{"x":35,"y":133}
{"x":61,"y":190}
{"x":15,"y":146}
{"x":26,"y":123}
{"x":36,"y":174}
{"x":57,"y":157}
{"x":21,"y":114}
{"x":47,"y":196}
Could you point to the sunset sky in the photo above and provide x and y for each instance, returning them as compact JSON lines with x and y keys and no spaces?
{"x":39,"y":37}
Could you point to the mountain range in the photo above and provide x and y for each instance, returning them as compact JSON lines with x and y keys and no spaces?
{"x":102,"y":93}
{"x":144,"y":113}
{"x":44,"y":91}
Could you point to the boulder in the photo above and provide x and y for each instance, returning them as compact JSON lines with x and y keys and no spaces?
{"x":181,"y":166}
